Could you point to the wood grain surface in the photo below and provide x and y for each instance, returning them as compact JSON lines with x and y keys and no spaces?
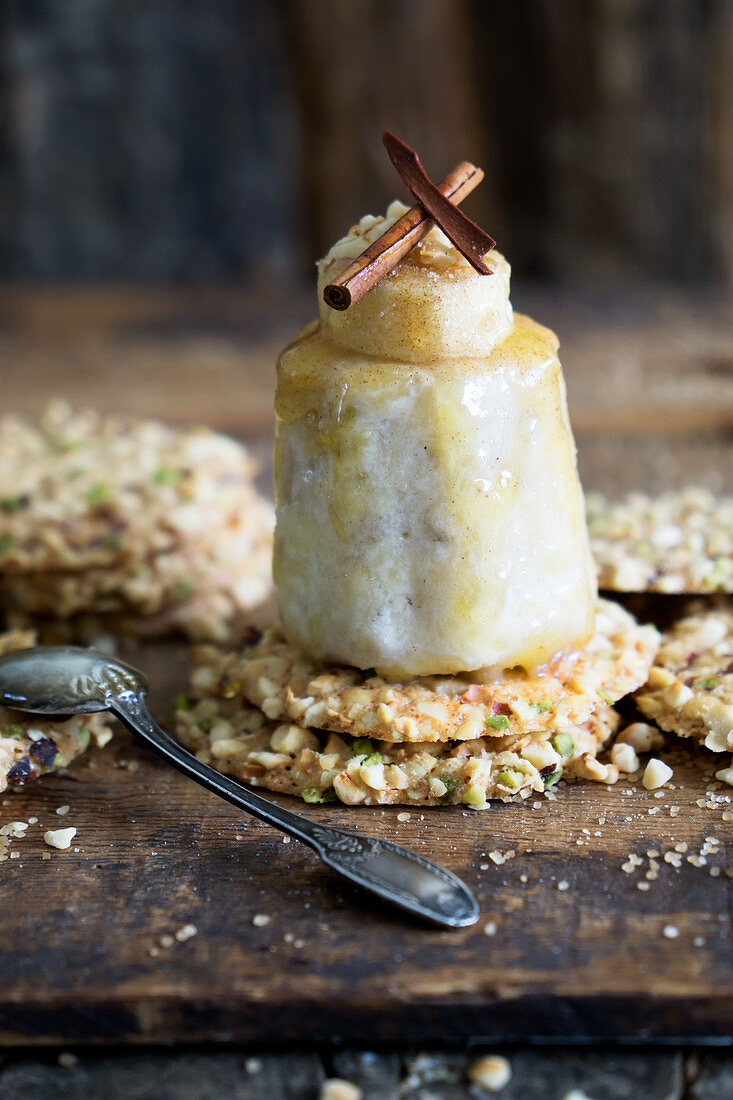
{"x":578,"y":951}
{"x":651,"y":398}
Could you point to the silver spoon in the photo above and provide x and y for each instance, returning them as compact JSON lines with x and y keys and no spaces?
{"x":67,"y":680}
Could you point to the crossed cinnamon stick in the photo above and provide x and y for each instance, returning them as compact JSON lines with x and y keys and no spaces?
{"x":436,"y":205}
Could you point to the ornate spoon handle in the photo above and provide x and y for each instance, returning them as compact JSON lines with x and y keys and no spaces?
{"x":401,"y":877}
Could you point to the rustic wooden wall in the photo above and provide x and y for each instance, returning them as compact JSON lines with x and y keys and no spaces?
{"x":180,"y":140}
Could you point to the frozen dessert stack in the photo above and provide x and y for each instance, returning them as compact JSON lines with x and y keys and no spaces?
{"x":440,"y":636}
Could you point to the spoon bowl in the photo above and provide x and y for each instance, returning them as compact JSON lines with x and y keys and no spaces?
{"x":64,"y":679}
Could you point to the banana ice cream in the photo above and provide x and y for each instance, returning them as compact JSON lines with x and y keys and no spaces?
{"x":429,"y":514}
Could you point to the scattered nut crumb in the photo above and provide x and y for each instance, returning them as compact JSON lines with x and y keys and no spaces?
{"x":656,"y":774}
{"x":641,"y":737}
{"x":490,"y":928}
{"x":67,"y":1059}
{"x":623,"y":755}
{"x":59,"y":838}
{"x":492,"y":1072}
{"x":259,"y":920}
{"x":62,"y":810}
{"x":670,"y":931}
{"x":337,"y":1089}
{"x":186,"y":932}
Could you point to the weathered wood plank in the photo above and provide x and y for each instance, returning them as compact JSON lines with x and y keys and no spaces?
{"x":155,"y":852}
{"x":252,"y":1075}
{"x":153,"y":141}
{"x":169,"y":1075}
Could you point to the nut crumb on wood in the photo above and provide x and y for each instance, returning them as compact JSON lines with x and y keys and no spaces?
{"x":338,"y":1089}
{"x":656,"y":774}
{"x":186,"y":932}
{"x":491,"y":1072}
{"x":59,"y":838}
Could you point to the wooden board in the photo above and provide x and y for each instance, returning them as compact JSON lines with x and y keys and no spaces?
{"x":155,"y":852}
{"x":578,"y":952}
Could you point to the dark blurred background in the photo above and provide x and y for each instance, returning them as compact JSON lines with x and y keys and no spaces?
{"x":170,"y":169}
{"x":213,"y":140}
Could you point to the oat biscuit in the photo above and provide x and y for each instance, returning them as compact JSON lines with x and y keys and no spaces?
{"x":79,"y":490}
{"x":677,"y":542}
{"x":31,"y":745}
{"x":201,"y":589}
{"x":321,"y":766}
{"x":287,"y":686}
{"x":690,"y":687}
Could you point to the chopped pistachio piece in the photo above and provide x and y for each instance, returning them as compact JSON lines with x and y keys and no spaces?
{"x":7,"y":543}
{"x":84,"y":737}
{"x":13,"y":504}
{"x":314,"y":794}
{"x":563,"y":743}
{"x":362,"y":745}
{"x":168,"y":475}
{"x":498,"y":722}
{"x":99,"y":493}
{"x":182,"y":590}
{"x":450,"y":783}
{"x":509,"y":778}
{"x":474,"y":796}
{"x":374,"y":758}
{"x":14,"y":731}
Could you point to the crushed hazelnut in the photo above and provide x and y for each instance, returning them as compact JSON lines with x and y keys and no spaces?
{"x":59,"y":838}
{"x":338,"y":1089}
{"x":491,"y":1072}
{"x":656,"y":774}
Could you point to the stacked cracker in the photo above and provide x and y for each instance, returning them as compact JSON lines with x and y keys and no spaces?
{"x":31,"y":746}
{"x":679,"y":543}
{"x":129,"y":526}
{"x":279,"y":720}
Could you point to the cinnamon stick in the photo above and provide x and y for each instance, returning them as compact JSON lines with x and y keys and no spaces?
{"x":386,"y":252}
{"x":470,"y":239}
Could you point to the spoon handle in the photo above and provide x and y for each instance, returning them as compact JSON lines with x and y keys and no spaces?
{"x":395,"y":874}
